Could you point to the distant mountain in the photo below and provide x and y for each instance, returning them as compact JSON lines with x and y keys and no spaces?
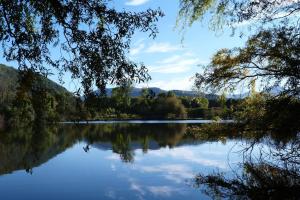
{"x":136,"y":92}
{"x":9,"y":81}
{"x":272,"y":91}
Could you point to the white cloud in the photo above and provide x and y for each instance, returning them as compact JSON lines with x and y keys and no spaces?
{"x":175,"y":64}
{"x":162,"y":47}
{"x":137,"y":49}
{"x":185,"y":83}
{"x":136,"y":2}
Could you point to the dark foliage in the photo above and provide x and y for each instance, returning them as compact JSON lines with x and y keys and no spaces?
{"x":92,"y":38}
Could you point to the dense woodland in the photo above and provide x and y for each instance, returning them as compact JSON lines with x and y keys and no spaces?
{"x":48,"y":102}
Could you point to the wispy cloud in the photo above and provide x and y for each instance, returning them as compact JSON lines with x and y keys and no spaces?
{"x":137,"y":49}
{"x":162,"y":47}
{"x":136,"y":2}
{"x":184,"y":83}
{"x":175,"y":64}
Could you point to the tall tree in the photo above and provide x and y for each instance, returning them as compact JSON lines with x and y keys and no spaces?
{"x":90,"y":38}
{"x":271,"y":56}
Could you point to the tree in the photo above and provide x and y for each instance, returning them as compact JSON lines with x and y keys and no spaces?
{"x":201,"y":102}
{"x":92,"y":37}
{"x":271,"y":56}
{"x":147,"y":93}
{"x":169,"y":107}
{"x":231,"y":12}
{"x":121,"y":96}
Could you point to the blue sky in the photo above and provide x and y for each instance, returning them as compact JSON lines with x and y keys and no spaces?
{"x":171,"y":61}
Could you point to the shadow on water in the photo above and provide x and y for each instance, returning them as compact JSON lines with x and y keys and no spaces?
{"x":270,"y":174}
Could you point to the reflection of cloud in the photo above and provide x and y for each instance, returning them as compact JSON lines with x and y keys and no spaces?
{"x":183,"y":153}
{"x":142,"y":190}
{"x":174,"y":172}
{"x":113,"y":157}
{"x":113,"y":167}
{"x":136,"y":2}
{"x":136,"y":187}
{"x":165,"y":191}
{"x":111,"y":194}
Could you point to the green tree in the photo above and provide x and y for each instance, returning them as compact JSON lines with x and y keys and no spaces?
{"x":121,"y":96}
{"x":200,"y":102}
{"x":92,"y":36}
{"x":169,"y":107}
{"x":222,"y":13}
{"x":271,"y":56}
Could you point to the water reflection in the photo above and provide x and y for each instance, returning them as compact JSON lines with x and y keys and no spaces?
{"x":270,"y":169}
{"x":149,"y":161}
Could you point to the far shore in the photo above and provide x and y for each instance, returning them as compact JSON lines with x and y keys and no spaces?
{"x":143,"y":121}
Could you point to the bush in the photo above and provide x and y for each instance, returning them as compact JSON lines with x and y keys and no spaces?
{"x":169,"y":107}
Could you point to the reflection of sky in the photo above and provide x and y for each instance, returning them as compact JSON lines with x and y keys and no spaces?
{"x":100,"y":174}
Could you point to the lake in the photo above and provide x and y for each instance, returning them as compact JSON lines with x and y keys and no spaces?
{"x":125,"y":160}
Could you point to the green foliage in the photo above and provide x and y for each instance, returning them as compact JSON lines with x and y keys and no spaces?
{"x":195,"y":102}
{"x":270,"y":57}
{"x":169,"y":107}
{"x":22,"y":112}
{"x":222,"y":13}
{"x":32,"y":98}
{"x":94,"y":35}
{"x":261,"y":111}
{"x":200,"y":102}
{"x":121,"y":97}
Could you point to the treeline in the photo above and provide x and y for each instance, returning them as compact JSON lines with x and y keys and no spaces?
{"x":154,"y":106}
{"x":27,"y":98}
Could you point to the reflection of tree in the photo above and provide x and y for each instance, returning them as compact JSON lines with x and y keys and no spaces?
{"x":125,"y":138}
{"x":29,"y":147}
{"x":273,"y":173}
{"x":258,"y":181}
{"x":32,"y":146}
{"x":122,"y":147}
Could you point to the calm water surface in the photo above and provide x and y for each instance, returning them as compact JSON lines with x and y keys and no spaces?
{"x":111,"y":161}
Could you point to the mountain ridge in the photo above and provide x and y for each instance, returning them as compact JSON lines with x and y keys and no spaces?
{"x":136,"y":92}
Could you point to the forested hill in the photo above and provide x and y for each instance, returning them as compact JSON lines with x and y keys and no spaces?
{"x":9,"y":81}
{"x":44,"y":101}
